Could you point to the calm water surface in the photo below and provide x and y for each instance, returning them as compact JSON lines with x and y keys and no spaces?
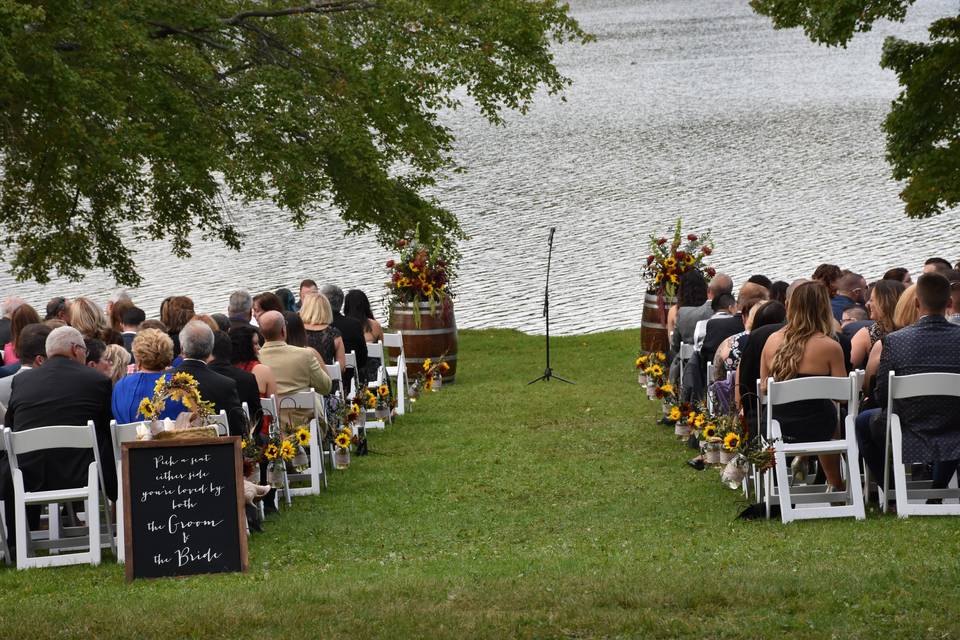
{"x":693,"y":108}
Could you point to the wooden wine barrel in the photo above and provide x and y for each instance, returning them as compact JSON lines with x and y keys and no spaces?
{"x":653,"y":326}
{"x":435,"y":337}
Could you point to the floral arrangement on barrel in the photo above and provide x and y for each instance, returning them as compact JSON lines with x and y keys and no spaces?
{"x":670,"y":259}
{"x":179,"y":387}
{"x":422,"y":273}
{"x":430,"y":377}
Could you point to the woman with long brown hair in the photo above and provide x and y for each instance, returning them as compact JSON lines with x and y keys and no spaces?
{"x":882,"y":303}
{"x":806,"y":347}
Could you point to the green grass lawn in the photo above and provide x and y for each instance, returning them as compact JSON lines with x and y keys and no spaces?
{"x":497,"y":509}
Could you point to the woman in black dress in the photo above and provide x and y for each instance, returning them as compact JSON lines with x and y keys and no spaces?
{"x":806,"y":347}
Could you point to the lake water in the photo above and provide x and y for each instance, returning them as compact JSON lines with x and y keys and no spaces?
{"x":692,"y":108}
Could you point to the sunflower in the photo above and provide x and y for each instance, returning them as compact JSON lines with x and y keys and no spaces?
{"x":670,"y":262}
{"x":674,"y":279}
{"x":709,"y":431}
{"x":403,"y":283}
{"x":413,"y":266}
{"x":688,"y":260}
{"x":699,"y":420}
{"x":661,"y":356}
{"x":147,"y":409}
{"x":427,"y":364}
{"x":428,"y":385}
{"x":243,"y":444}
{"x":641,"y":360}
{"x":731,"y":442}
{"x":347,"y":431}
{"x":271,"y":452}
{"x":287,"y":450}
{"x":658,"y":278}
{"x":183,"y":378}
{"x":303,"y":436}
{"x":428,"y":289}
{"x":667,"y":389}
{"x":674,"y":414}
{"x":383,"y":391}
{"x":342,"y":441}
{"x":444,"y":367}
{"x":355,"y":409}
{"x":158,"y":387}
{"x":655,"y":370}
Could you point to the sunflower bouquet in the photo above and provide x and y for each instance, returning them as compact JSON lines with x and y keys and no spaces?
{"x":179,"y":387}
{"x":430,"y":376}
{"x":422,"y":273}
{"x":670,"y":259}
{"x":655,"y":371}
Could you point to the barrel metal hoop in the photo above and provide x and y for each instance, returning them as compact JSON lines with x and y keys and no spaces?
{"x":428,"y":332}
{"x":421,"y":360}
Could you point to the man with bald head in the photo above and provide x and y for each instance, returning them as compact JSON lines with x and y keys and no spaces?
{"x":295,"y":368}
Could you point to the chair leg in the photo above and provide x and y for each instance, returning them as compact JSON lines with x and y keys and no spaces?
{"x":53,"y":522}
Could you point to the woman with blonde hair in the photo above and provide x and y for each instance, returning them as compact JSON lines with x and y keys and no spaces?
{"x":806,"y":347}
{"x":153,"y":350}
{"x":326,"y":339}
{"x":87,"y":318}
{"x":119,"y":359}
{"x":882,"y":305}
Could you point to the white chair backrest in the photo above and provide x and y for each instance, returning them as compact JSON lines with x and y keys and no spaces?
{"x":303,"y":400}
{"x":120,"y":433}
{"x":393,"y":340}
{"x":221,"y":423}
{"x":923,"y":384}
{"x":269,"y":406}
{"x":812,"y":388}
{"x":686,"y":350}
{"x":333,"y":372}
{"x":55,"y":437}
{"x":699,"y":333}
{"x":375,"y":350}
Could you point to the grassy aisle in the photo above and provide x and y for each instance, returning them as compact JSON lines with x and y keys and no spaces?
{"x":501,"y":510}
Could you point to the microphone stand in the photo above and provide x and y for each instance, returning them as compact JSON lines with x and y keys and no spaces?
{"x":548,"y":372}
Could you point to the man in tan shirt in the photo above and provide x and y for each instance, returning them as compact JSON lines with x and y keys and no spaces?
{"x":295,"y":368}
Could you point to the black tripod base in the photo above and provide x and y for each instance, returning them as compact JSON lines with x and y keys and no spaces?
{"x":548,"y":375}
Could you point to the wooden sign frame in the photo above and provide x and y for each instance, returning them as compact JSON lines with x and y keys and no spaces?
{"x":232,"y":441}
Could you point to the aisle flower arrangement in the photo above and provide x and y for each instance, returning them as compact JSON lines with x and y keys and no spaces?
{"x":671,"y":258}
{"x":179,"y":387}
{"x":430,"y":376}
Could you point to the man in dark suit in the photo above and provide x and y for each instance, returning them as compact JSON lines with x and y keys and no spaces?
{"x":196,"y":345}
{"x":350,"y":328}
{"x":64,"y":391}
{"x":247,"y":388}
{"x":930,"y":431}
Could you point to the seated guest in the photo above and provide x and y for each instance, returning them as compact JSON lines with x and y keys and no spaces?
{"x":287,"y":298}
{"x":223,"y":322}
{"x":21,"y":318}
{"x":727,"y":358}
{"x":119,"y":359}
{"x":263,"y":302}
{"x":207,"y":320}
{"x":357,"y":306}
{"x":58,"y":309}
{"x":900,"y":275}
{"x":295,"y":368}
{"x":196,"y":342}
{"x":307,"y":287}
{"x":87,"y":318}
{"x":247,"y":387}
{"x":153,"y":351}
{"x":9,"y":305}
{"x":851,"y":288}
{"x":953,"y":276}
{"x":175,"y":313}
{"x":828,"y":275}
{"x":245,"y":355}
{"x":721,"y":328}
{"x":32,"y":351}
{"x":904,"y":315}
{"x":119,"y":298}
{"x":692,"y":306}
{"x":778,"y":291}
{"x":350,"y":329}
{"x":239,"y":308}
{"x":883,"y":302}
{"x":96,"y":356}
{"x":297,"y":333}
{"x":805,"y":347}
{"x":931,"y":344}
{"x":61,"y":392}
{"x":322,"y":336}
{"x":854,"y":319}
{"x":937,"y":265}
{"x":762,"y":280}
{"x":154,"y":324}
{"x":132,"y":318}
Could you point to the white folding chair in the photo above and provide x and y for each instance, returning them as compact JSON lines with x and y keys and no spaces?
{"x":815,"y":388}
{"x":335,"y":375}
{"x":246,"y":410}
{"x":375,"y":352}
{"x":709,"y":381}
{"x":398,"y":371}
{"x":686,"y":350}
{"x":120,"y":433}
{"x":220,"y":422}
{"x":699,"y":333}
{"x":4,"y":547}
{"x":308,"y":400}
{"x":912,"y":496}
{"x":350,"y":361}
{"x":37,"y":440}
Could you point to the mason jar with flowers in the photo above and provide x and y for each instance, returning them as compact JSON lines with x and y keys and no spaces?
{"x":420,"y":301}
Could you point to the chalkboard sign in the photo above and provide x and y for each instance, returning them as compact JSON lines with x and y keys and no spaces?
{"x":183,"y":507}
